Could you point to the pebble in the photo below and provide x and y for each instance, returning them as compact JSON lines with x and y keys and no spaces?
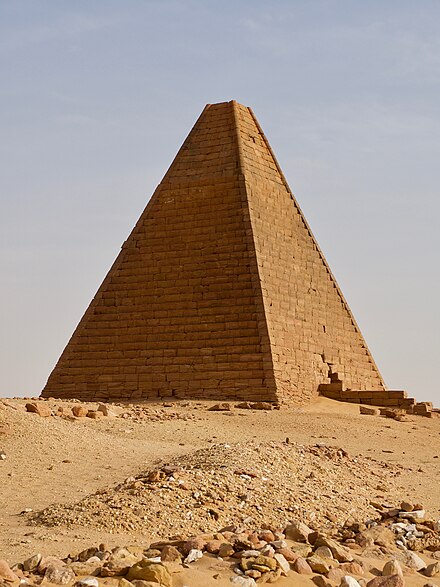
{"x":392,"y":567}
{"x":432,"y":570}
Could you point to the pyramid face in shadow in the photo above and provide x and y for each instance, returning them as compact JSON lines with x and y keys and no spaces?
{"x":220,"y":291}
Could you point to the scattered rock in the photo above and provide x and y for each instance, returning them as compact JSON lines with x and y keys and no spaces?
{"x":301,"y":566}
{"x":150,"y":571}
{"x":87,"y":582}
{"x":39,"y":408}
{"x":432,"y":569}
{"x":222,"y":407}
{"x":318,"y":564}
{"x":368,"y":411}
{"x":79,"y":411}
{"x":6,"y":573}
{"x":411,"y":560}
{"x":297,"y":531}
{"x":193,"y":555}
{"x":348,"y":581}
{"x":392,"y":567}
{"x":170,"y":554}
{"x":59,"y":575}
{"x":387,"y":581}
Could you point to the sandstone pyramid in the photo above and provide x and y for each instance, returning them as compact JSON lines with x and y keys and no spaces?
{"x":220,"y":291}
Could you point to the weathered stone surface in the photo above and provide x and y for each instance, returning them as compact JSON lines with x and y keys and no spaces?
{"x":369,"y":411}
{"x":149,"y":571}
{"x":411,"y":559}
{"x":39,"y":408}
{"x":340,"y":553}
{"x":79,"y":411}
{"x":297,"y":531}
{"x":432,"y":569}
{"x":301,"y":566}
{"x":226,"y":550}
{"x":349,"y":581}
{"x":387,"y":581}
{"x":318,"y":564}
{"x":32,"y":563}
{"x":6,"y":573}
{"x":59,"y":575}
{"x":170,"y":554}
{"x":392,"y":567}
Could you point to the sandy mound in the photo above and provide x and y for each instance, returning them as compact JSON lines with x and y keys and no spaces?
{"x":255,"y":483}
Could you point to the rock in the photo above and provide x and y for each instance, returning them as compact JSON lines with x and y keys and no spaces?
{"x":79,"y":411}
{"x":366,"y":410}
{"x":260,"y":563}
{"x":406,"y":506}
{"x":297,"y":531}
{"x":92,"y":568}
{"x":411,"y":560}
{"x":226,"y":550}
{"x":324,"y":551}
{"x":379,"y":535}
{"x":335,"y":575}
{"x":39,"y":408}
{"x":266,"y":535}
{"x":109,"y":411}
{"x":196,"y":543}
{"x":46,"y":561}
{"x":352,"y":569}
{"x":253,"y":574}
{"x":94,"y":414}
{"x":282,"y":563}
{"x":261,"y":406}
{"x":287,"y":552}
{"x":32,"y":563}
{"x":432,"y":570}
{"x":348,"y":581}
{"x":340,"y":553}
{"x":87,"y":582}
{"x":301,"y":566}
{"x":301,"y":549}
{"x":170,"y":554}
{"x":193,"y":555}
{"x":388,"y":581}
{"x":413,"y":515}
{"x":213,"y":546}
{"x":392,"y":567}
{"x":321,"y":581}
{"x":269,"y":550}
{"x":223,"y":407}
{"x":6,"y":573}
{"x":141,"y":583}
{"x":318,"y":564}
{"x":243,"y":581}
{"x":124,"y":583}
{"x":149,"y":571}
{"x":59,"y":575}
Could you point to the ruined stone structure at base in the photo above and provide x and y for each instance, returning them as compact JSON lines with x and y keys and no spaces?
{"x":220,"y":291}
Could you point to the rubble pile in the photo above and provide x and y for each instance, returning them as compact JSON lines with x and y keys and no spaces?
{"x":252,"y":482}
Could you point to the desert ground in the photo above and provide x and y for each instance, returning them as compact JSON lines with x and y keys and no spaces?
{"x":69,"y":483}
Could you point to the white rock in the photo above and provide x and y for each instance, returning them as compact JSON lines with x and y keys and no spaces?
{"x":411,"y":560}
{"x":418,"y":514}
{"x":282,"y":563}
{"x":87,"y":582}
{"x":243,"y":581}
{"x":349,"y":581}
{"x":193,"y":555}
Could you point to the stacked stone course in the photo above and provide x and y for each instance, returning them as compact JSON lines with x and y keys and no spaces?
{"x":220,"y":291}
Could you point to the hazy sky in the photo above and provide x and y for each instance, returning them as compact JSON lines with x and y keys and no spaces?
{"x":96,"y":98}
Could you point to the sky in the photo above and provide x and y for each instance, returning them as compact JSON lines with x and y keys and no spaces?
{"x":96,"y":98}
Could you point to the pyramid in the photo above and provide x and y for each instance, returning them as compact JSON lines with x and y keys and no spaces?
{"x":220,"y":291}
